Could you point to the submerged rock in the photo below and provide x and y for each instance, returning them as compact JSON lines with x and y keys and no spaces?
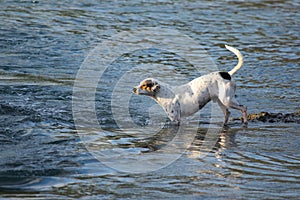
{"x":274,"y":117}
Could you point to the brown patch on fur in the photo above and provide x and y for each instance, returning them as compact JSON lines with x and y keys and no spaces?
{"x":147,"y":85}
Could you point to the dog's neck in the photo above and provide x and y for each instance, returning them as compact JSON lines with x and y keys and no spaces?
{"x":165,"y":95}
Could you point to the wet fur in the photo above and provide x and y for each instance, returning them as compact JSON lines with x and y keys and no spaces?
{"x":187,"y":99}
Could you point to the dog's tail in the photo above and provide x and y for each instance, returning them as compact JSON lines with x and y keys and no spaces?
{"x":240,"y":58}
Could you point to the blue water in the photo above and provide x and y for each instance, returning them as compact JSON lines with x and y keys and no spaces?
{"x":46,"y":154}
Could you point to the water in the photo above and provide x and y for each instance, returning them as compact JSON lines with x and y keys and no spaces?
{"x":43,"y":45}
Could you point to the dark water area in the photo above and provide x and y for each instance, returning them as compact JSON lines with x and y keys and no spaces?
{"x":46,"y":154}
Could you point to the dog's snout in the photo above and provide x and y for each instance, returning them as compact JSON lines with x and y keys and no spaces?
{"x":134,"y":90}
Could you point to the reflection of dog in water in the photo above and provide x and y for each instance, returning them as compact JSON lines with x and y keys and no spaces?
{"x":201,"y":144}
{"x":185,"y":100}
{"x":204,"y":144}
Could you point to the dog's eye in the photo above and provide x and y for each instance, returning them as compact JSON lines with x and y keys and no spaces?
{"x":143,"y":86}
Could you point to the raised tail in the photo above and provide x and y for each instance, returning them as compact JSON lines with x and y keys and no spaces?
{"x":240,"y":59}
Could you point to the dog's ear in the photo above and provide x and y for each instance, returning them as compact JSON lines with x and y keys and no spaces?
{"x":155,"y":87}
{"x":150,"y":85}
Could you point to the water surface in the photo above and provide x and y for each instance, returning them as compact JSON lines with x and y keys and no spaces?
{"x":43,"y":45}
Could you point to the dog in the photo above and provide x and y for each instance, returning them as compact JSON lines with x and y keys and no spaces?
{"x":187,"y":99}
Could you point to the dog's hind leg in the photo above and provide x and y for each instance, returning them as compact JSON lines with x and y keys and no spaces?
{"x":226,"y":97}
{"x":233,"y":103}
{"x":225,"y":111}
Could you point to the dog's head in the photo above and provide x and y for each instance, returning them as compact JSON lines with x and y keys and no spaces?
{"x":149,"y":87}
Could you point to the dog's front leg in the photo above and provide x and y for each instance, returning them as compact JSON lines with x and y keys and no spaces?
{"x":174,"y":111}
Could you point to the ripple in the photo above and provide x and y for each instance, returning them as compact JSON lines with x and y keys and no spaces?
{"x":42,"y":45}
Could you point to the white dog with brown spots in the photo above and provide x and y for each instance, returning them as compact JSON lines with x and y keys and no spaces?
{"x":187,"y":99}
